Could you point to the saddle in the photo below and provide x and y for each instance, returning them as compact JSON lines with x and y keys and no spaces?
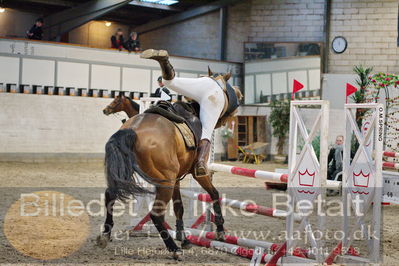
{"x":185,"y":117}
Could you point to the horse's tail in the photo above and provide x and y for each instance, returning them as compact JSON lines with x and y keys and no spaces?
{"x":120,"y":165}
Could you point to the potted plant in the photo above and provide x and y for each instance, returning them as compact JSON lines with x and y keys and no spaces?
{"x":280,"y":122}
{"x":360,"y":96}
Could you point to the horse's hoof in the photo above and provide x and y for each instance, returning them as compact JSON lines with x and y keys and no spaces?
{"x":102,"y":240}
{"x":179,"y":236}
{"x":220,"y":236}
{"x":185,"y":244}
{"x":178,"y":255}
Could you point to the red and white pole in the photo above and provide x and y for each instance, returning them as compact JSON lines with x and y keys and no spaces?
{"x":242,"y":205}
{"x":391,"y":154}
{"x":390,"y":165}
{"x":266,"y":175}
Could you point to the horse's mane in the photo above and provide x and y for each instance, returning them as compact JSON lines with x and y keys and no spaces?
{"x":135,"y":105}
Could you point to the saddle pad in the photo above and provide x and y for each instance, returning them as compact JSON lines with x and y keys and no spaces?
{"x":187,"y":134}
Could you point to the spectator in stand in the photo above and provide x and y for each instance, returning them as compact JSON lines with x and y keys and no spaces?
{"x":133,"y":43}
{"x":117,"y":40}
{"x":36,"y":32}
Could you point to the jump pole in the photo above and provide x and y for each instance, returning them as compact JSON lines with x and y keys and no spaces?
{"x":266,"y":175}
{"x":391,"y":165}
{"x":245,"y":206}
{"x":233,"y":245}
{"x":391,"y":154}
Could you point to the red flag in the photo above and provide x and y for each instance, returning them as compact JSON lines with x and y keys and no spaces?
{"x":297,"y":87}
{"x":350,"y":89}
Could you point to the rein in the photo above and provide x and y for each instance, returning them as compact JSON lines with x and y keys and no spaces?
{"x":220,"y":81}
{"x":119,"y":117}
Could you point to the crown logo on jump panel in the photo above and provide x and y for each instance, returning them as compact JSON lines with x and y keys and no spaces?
{"x":361,"y":179}
{"x":306,"y":178}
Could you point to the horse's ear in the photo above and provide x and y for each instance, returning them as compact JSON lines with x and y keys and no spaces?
{"x":120,"y":94}
{"x":209,"y":72}
{"x":227,"y":76}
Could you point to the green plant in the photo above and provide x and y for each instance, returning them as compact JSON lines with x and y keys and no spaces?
{"x":363,"y":81}
{"x":315,"y":144}
{"x":280,"y":122}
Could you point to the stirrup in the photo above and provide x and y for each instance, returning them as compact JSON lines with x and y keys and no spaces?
{"x":201,"y":170}
{"x":154,"y":54}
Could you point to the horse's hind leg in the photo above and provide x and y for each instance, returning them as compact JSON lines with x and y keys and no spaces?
{"x":179,"y":211}
{"x":163,"y":196}
{"x":206,"y":183}
{"x":103,"y":239}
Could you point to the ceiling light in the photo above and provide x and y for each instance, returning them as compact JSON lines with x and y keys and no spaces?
{"x":168,"y":2}
{"x":161,"y":2}
{"x":2,"y":10}
{"x":107,"y":23}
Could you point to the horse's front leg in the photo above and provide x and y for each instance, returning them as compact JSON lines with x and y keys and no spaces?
{"x":105,"y":237}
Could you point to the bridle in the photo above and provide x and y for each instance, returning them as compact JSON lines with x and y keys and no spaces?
{"x":219,"y":79}
{"x":118,"y":116}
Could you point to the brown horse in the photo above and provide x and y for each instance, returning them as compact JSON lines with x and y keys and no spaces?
{"x":122,"y":103}
{"x":152,"y":147}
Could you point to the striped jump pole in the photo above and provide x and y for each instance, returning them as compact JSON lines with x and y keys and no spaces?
{"x":391,"y":165}
{"x":391,"y":154}
{"x":232,"y":245}
{"x":266,"y":175}
{"x":270,"y":176}
{"x":246,"y":242}
{"x":246,"y":206}
{"x":223,"y":246}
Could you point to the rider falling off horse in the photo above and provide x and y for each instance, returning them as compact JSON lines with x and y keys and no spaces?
{"x":209,"y":93}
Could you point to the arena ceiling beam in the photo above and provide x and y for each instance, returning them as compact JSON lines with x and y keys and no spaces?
{"x":195,"y":12}
{"x":63,"y":3}
{"x":155,"y":6}
{"x":66,"y":20}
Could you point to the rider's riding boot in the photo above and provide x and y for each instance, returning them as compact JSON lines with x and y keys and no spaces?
{"x":162,"y":57}
{"x":202,"y":158}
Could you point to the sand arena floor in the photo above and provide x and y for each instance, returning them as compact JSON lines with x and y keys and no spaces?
{"x":72,"y":240}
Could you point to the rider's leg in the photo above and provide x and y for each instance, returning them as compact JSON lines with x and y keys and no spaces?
{"x":210,"y":111}
{"x":162,"y":57}
{"x":197,"y":89}
{"x":194,"y":88}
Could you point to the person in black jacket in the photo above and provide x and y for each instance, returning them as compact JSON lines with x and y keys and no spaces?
{"x":133,"y":43}
{"x":335,"y":158}
{"x":36,"y":32}
{"x":117,"y":40}
{"x":162,"y":92}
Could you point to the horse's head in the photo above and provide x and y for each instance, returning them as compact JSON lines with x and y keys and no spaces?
{"x":117,"y":105}
{"x":225,"y":76}
{"x":122,"y":103}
